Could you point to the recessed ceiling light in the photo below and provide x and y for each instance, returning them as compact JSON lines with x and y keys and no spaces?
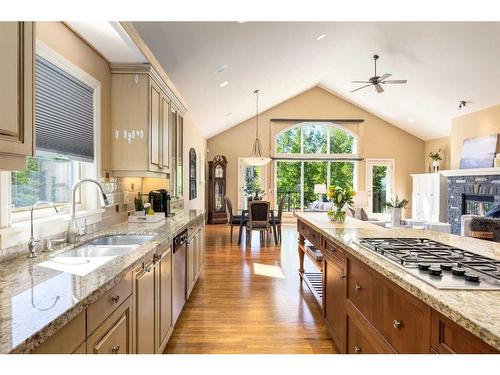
{"x":221,"y":68}
{"x":224,"y":84}
{"x":411,"y":120}
{"x":241,"y":21}
{"x":228,"y":114}
{"x":321,"y":37}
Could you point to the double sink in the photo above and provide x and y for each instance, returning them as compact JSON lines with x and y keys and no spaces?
{"x":93,"y":254}
{"x":113,"y":245}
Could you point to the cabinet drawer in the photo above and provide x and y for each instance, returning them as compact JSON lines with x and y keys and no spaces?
{"x":109,"y":301}
{"x":447,"y":337}
{"x":336,"y":251}
{"x":357,"y":341}
{"x":405,"y":321}
{"x":67,"y":339}
{"x":363,"y":289}
{"x":310,"y":234}
{"x":114,"y":335}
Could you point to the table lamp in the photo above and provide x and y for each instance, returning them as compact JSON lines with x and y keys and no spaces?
{"x":320,"y":189}
{"x":361,"y":199}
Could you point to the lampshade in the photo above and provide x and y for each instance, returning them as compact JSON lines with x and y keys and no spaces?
{"x":361,"y":199}
{"x":319,"y":189}
{"x":256,"y":162}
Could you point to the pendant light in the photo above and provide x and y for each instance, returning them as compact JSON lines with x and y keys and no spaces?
{"x":256,"y":159}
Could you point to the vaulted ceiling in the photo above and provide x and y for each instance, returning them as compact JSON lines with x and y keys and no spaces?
{"x":443,"y":62}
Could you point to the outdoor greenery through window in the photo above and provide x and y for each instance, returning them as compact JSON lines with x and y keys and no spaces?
{"x":308,"y":155}
{"x":48,"y":177}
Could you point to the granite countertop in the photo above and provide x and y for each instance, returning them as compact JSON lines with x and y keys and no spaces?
{"x":36,"y":301}
{"x":478,"y":311}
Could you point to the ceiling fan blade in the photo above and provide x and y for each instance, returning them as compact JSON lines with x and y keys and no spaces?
{"x":360,"y":82}
{"x":362,"y":87}
{"x":379,"y":88}
{"x":395,"y":81}
{"x":385,"y":76}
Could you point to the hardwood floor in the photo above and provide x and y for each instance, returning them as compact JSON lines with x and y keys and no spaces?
{"x":249,"y":299}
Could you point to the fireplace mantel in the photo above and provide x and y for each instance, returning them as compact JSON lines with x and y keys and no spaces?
{"x":471,"y":172}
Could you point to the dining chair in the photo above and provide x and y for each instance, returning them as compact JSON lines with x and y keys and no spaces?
{"x":258,"y":219}
{"x":232,"y":220}
{"x":278,"y":218}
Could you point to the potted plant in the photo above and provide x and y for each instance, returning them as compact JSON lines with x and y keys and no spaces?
{"x":436,"y":158}
{"x":396,"y":207}
{"x":340,"y":197}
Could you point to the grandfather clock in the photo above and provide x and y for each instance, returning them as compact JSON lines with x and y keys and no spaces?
{"x":217,"y":190}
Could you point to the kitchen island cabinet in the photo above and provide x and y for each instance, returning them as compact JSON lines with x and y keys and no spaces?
{"x":372,"y":306}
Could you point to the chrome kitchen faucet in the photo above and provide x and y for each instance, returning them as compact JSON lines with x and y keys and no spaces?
{"x":75,"y":231}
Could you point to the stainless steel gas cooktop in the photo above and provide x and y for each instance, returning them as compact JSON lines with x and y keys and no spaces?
{"x":440,"y":265}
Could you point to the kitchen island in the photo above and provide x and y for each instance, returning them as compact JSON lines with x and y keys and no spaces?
{"x":370,"y":304}
{"x":109,"y":308}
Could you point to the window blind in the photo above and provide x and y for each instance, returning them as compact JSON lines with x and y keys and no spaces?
{"x":64,"y":113}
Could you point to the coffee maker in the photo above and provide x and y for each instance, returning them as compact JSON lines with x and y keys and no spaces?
{"x":160,"y":201}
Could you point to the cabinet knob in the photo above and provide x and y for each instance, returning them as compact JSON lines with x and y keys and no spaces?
{"x":342,"y":276}
{"x":115,"y":349}
{"x":357,"y":349}
{"x":115,"y":299}
{"x":396,"y":323}
{"x":357,"y":286}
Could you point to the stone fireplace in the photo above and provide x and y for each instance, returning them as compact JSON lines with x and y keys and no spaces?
{"x":471,"y":195}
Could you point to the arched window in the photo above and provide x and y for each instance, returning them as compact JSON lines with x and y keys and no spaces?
{"x":309,"y":154}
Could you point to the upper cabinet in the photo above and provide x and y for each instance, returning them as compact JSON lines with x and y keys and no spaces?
{"x":143,"y":141}
{"x":16,"y":94}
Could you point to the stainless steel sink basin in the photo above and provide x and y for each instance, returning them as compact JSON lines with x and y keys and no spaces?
{"x":120,"y":240}
{"x":108,"y":246}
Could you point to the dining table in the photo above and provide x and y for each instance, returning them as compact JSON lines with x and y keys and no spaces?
{"x":244,"y":214}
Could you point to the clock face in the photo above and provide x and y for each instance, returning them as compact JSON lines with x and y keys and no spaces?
{"x":219,"y":172}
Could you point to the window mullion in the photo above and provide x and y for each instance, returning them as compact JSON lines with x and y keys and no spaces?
{"x":302,"y":185}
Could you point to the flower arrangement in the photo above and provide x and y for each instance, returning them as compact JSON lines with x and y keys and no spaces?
{"x":435,"y":155}
{"x":397,"y":203}
{"x":340,"y":197}
{"x":396,"y":207}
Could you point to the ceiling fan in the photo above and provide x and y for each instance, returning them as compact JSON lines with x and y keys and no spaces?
{"x":377,"y":81}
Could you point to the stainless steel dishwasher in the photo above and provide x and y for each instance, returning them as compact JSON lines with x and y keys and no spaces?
{"x":179,"y":275}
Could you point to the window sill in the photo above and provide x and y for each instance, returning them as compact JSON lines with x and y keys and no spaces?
{"x":18,"y":233}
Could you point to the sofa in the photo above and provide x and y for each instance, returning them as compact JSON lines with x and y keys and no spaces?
{"x":480,"y":227}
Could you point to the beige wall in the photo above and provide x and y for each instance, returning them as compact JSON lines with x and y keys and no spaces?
{"x":194,"y":139}
{"x":434,"y":145}
{"x":378,"y":138}
{"x":61,"y":39}
{"x":476,"y":124}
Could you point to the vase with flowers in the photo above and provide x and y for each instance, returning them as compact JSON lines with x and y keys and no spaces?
{"x":436,"y":158}
{"x":340,"y":197}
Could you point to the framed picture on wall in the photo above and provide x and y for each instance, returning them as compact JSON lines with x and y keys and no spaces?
{"x":479,"y":152}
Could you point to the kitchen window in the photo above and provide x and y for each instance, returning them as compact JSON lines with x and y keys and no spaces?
{"x":67,"y":119}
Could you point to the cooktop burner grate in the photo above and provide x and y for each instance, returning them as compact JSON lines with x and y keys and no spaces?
{"x":441,"y":265}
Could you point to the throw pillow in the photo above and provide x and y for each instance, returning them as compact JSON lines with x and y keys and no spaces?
{"x":495,"y":212}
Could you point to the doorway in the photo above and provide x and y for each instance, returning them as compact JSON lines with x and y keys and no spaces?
{"x":379,"y":185}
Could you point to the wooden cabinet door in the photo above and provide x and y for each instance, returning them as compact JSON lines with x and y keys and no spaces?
{"x":404,"y":321}
{"x":163,"y":292}
{"x":358,"y":341}
{"x":114,"y":335}
{"x":144,"y":311}
{"x":155,"y":130}
{"x":165,"y":132}
{"x":16,"y":93}
{"x":334,"y":301}
{"x":447,"y":337}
